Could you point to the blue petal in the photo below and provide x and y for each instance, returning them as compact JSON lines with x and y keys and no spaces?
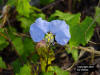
{"x":61,"y":31}
{"x":61,"y":38}
{"x":36,"y":33}
{"x":54,"y":26}
{"x":42,"y":24}
{"x":39,"y":29}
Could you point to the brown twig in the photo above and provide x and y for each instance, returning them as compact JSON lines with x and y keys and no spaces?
{"x":21,"y":34}
{"x":89,"y":50}
{"x":94,"y":42}
{"x":52,"y":4}
{"x":69,"y":5}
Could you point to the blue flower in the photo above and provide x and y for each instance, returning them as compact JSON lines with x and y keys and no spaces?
{"x":59,"y":28}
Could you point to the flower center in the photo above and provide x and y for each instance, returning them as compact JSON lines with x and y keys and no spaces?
{"x":49,"y":38}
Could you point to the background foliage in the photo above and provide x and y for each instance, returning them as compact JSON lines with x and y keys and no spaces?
{"x":16,"y":38}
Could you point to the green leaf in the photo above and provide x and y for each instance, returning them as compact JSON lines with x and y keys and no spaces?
{"x":2,"y":63}
{"x":54,"y":70}
{"x":25,"y":23}
{"x":28,"y":46}
{"x":97,"y":15}
{"x":25,"y":70}
{"x":75,"y":54}
{"x":1,"y":2}
{"x":12,"y":2}
{"x":23,"y":46}
{"x":16,"y":66}
{"x":23,"y":7}
{"x":18,"y":44}
{"x":81,"y":33}
{"x":65,"y":16}
{"x":58,"y":71}
{"x":3,"y":43}
{"x":35,"y":58}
